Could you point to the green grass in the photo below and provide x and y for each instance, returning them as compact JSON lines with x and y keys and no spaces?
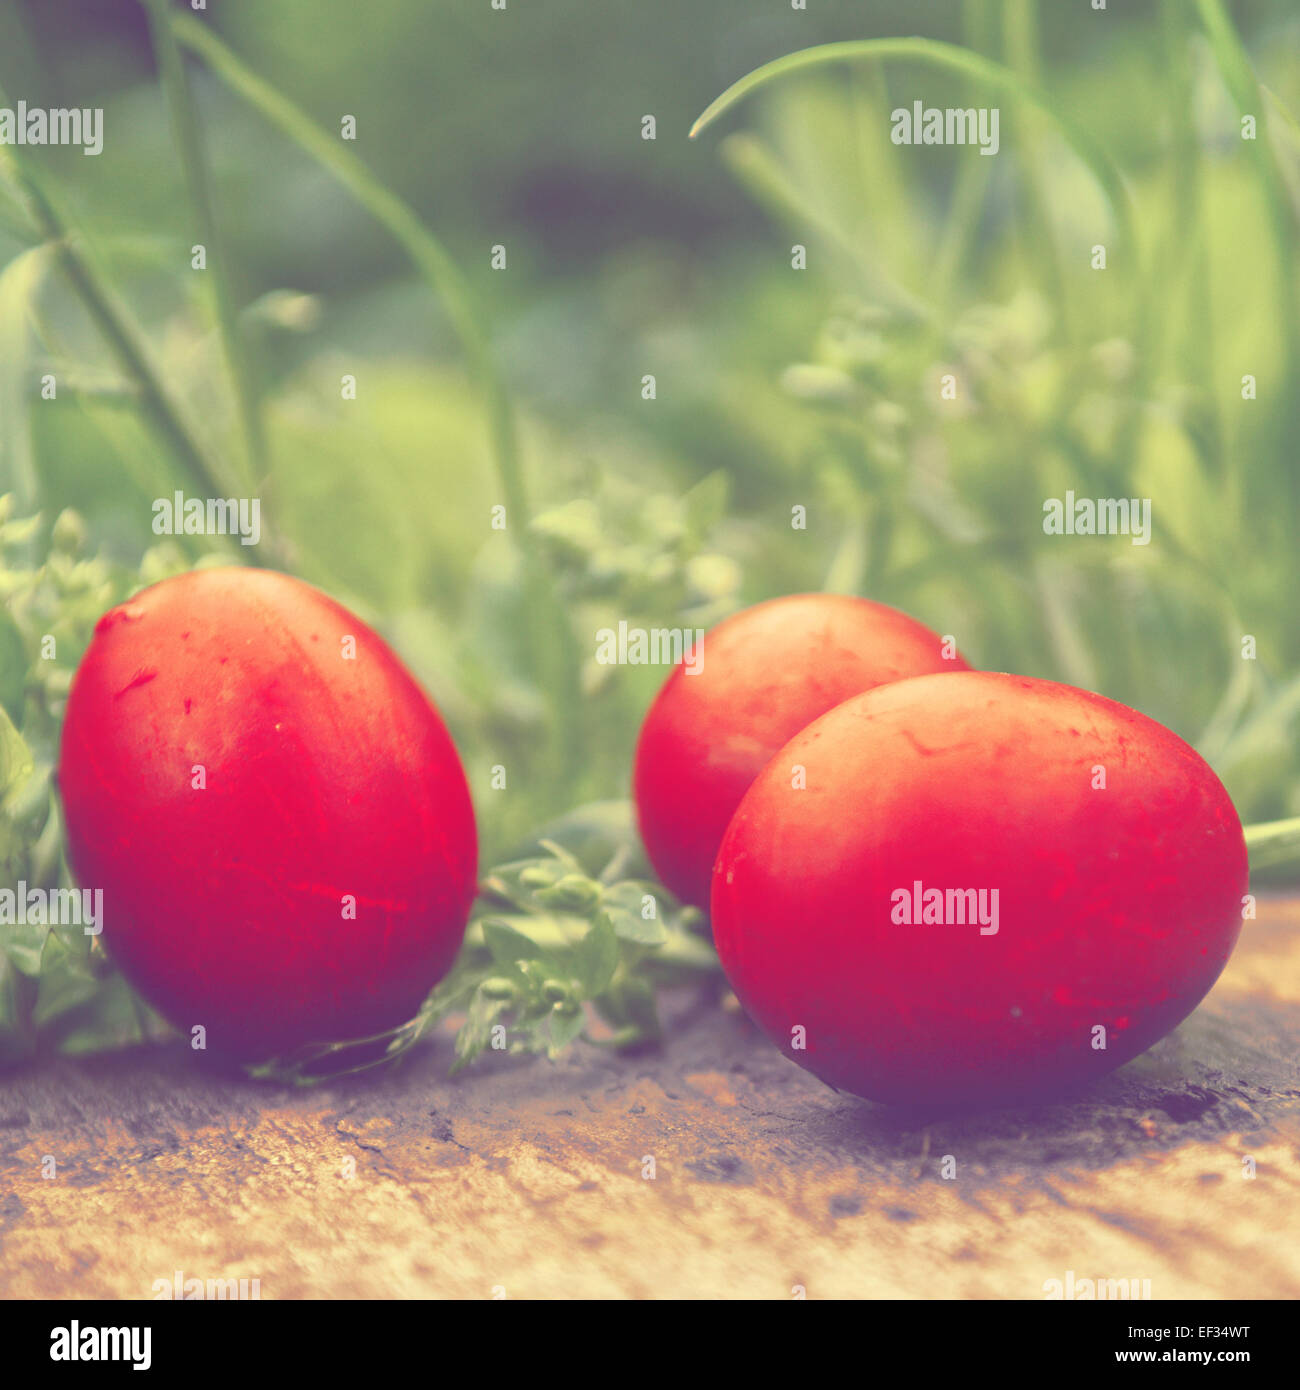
{"x":670,"y":257}
{"x":548,"y":634}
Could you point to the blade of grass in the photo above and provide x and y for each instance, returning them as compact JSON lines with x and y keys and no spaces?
{"x":1022,"y":45}
{"x":759,"y":172}
{"x":1247,"y":94}
{"x":1239,"y":77}
{"x":1186,"y":255}
{"x":849,"y":564}
{"x":550,"y":636}
{"x":13,"y":222}
{"x":1268,"y":727}
{"x":19,"y":283}
{"x":935,"y":53}
{"x":885,"y":196}
{"x":102,"y":404}
{"x":952,"y":58}
{"x":1056,"y":609}
{"x":978,"y":32}
{"x":1273,"y":842}
{"x":427,"y":253}
{"x":115,"y":322}
{"x":194,"y":164}
{"x":1224,"y":721}
{"x":979,"y":25}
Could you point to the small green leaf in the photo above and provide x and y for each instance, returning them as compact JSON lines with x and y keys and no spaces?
{"x":554,"y":848}
{"x":631,"y":926}
{"x":25,"y":946}
{"x":624,"y":905}
{"x":594,"y":835}
{"x":508,"y":945}
{"x":501,"y":987}
{"x":706,"y":503}
{"x":13,"y":667}
{"x":21,"y":530}
{"x":68,"y":952}
{"x":60,"y":992}
{"x":16,"y":762}
{"x":112,"y":1016}
{"x":476,"y":1033}
{"x":572,"y":893}
{"x":565,"y":1025}
{"x":540,"y":873}
{"x":598,"y":956}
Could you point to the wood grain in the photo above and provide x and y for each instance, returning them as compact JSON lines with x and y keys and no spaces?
{"x":530,"y":1177}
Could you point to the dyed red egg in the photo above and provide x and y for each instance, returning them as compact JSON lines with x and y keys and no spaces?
{"x":273,"y":808}
{"x":975,"y":888}
{"x":764,"y":674}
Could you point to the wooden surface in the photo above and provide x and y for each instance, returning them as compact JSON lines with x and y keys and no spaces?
{"x":527,"y":1178}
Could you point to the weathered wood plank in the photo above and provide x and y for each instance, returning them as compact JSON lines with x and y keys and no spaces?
{"x":529,"y":1176}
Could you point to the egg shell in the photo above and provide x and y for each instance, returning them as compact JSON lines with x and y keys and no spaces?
{"x":1116,"y":856}
{"x":273,"y":808}
{"x":765,"y":673}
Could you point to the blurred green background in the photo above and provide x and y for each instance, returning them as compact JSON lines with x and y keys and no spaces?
{"x":776,"y":387}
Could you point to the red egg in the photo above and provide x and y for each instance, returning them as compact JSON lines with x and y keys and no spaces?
{"x":1089,"y":866}
{"x":764,"y":674}
{"x":275,"y":813}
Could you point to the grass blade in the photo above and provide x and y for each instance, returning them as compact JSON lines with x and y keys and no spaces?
{"x":550,"y":637}
{"x":115,"y":322}
{"x":19,"y":283}
{"x":198,"y":183}
{"x":1249,"y":97}
{"x":759,"y":172}
{"x":953,"y":58}
{"x":935,"y":53}
{"x":975,"y":176}
{"x":1273,"y":843}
